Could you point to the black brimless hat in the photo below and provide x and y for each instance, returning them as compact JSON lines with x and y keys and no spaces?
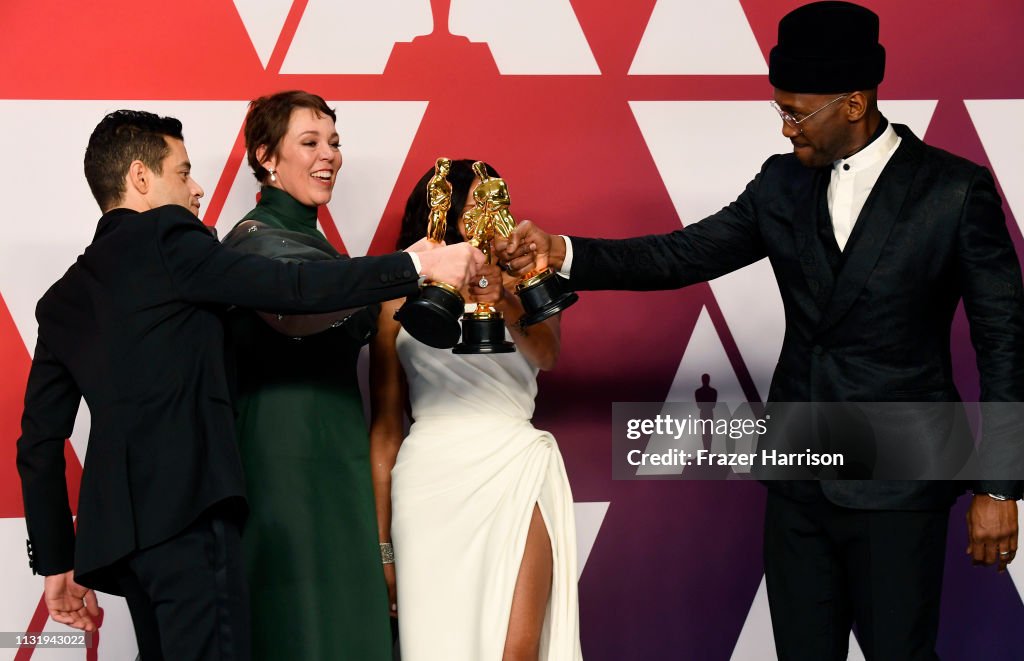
{"x":827,"y":48}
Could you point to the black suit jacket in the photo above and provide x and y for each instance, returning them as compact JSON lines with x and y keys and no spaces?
{"x":134,"y":327}
{"x":931,"y":233}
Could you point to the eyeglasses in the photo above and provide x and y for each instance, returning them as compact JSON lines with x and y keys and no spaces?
{"x":794,"y":122}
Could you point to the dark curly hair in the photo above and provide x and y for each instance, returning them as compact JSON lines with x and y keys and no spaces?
{"x":417,"y":210}
{"x":120,"y":138}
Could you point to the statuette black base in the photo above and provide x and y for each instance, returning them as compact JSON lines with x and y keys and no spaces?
{"x":432,"y":316}
{"x":483,"y":335}
{"x":543,"y":295}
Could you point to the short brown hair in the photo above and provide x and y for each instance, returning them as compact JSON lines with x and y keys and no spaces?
{"x":267,"y":122}
{"x":120,"y":138}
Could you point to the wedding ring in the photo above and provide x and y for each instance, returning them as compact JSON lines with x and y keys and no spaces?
{"x":483,"y":283}
{"x":1004,"y":553}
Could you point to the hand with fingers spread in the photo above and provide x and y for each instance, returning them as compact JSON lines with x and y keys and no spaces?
{"x":992,"y":531}
{"x":69,"y":603}
{"x":529,"y":248}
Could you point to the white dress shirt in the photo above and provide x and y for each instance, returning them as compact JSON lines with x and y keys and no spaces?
{"x":853,"y":178}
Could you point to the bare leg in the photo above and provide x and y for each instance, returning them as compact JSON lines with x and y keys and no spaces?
{"x":530,"y":599}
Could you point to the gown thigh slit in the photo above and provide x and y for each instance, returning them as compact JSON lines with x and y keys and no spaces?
{"x":464,"y":487}
{"x":544,"y":530}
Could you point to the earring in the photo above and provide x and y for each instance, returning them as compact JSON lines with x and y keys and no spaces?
{"x":273,"y":177}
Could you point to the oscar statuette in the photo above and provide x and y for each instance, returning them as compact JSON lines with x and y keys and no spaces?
{"x":432,"y":315}
{"x":542,"y":293}
{"x":483,"y":330}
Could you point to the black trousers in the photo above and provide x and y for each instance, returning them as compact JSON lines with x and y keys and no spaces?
{"x":829,"y":567}
{"x":188,"y":596}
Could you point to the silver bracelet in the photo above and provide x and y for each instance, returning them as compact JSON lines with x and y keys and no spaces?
{"x":997,"y":496}
{"x":387,"y":553}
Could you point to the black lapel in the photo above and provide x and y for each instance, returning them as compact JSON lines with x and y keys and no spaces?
{"x":809,"y":250}
{"x":873,"y":226}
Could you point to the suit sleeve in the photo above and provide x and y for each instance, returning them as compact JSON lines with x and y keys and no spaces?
{"x":51,"y":404}
{"x":990,"y":278}
{"x":714,"y":246}
{"x":204,"y":271}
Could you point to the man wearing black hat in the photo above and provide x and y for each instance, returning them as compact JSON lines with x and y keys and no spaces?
{"x":874,"y":238}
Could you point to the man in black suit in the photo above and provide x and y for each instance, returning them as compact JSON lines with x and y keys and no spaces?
{"x":874,"y":238}
{"x":134,"y":328}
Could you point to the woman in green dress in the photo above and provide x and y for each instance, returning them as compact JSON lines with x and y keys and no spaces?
{"x":314,"y":565}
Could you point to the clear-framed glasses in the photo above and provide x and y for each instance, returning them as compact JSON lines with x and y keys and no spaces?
{"x":794,"y":122}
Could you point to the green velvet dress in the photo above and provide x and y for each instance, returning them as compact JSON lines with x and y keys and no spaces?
{"x":315,"y":578}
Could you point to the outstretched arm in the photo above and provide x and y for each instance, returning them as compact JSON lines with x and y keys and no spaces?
{"x":714,"y":246}
{"x":204,"y":271}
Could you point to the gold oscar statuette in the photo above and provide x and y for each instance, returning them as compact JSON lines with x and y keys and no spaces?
{"x":483,"y":329}
{"x":432,"y":315}
{"x":542,"y":293}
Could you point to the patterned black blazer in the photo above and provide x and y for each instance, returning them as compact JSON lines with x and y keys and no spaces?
{"x":873,"y":326}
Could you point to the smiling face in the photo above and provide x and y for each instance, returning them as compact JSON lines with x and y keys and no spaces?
{"x":308,"y":159}
{"x":823,"y":138}
{"x":174,"y":184}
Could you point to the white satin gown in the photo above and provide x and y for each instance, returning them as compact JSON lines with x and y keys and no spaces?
{"x":463,"y":490}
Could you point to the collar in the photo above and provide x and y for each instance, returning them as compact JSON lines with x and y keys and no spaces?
{"x":110,"y":218}
{"x":878,"y":149}
{"x":289,"y":212}
{"x":119,"y":211}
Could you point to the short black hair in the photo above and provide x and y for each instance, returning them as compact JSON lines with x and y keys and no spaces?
{"x":417,"y":209}
{"x":121,"y":137}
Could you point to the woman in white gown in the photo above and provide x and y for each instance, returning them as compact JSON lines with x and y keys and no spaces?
{"x":475,"y":499}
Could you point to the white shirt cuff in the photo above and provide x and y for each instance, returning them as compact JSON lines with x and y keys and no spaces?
{"x":417,"y":265}
{"x":567,"y":261}
{"x":416,"y":262}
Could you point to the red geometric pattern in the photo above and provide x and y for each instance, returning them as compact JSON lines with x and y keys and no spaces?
{"x":679,"y":561}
